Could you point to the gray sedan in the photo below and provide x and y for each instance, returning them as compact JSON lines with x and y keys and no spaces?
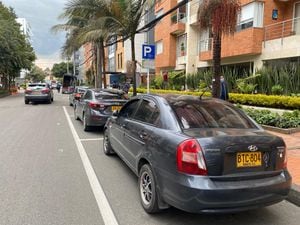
{"x":38,"y":92}
{"x":198,"y":155}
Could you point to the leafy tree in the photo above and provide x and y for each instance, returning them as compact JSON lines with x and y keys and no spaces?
{"x":60,"y":69}
{"x":16,"y":52}
{"x":36,"y":74}
{"x":220,"y":17}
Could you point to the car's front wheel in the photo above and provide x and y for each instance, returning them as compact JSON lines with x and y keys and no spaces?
{"x":147,"y":188}
{"x":107,"y":149}
{"x":85,"y":125}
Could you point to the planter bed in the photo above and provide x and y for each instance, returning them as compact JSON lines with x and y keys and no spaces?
{"x":281,"y":130}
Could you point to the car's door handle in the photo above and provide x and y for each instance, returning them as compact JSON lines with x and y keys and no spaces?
{"x":143,"y":135}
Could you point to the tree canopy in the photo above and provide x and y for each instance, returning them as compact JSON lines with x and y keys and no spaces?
{"x":16,"y":52}
{"x":60,"y":69}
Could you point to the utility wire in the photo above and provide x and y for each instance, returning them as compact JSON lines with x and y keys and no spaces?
{"x":151,"y":24}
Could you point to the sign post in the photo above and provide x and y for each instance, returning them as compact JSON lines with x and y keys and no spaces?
{"x":148,"y":61}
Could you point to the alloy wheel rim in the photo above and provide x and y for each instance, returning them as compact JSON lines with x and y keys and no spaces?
{"x":146,"y":188}
{"x":105,"y":142}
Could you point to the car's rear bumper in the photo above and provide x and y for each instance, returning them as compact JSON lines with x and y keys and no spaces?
{"x":200,"y":194}
{"x":38,"y":97}
{"x":97,"y":119}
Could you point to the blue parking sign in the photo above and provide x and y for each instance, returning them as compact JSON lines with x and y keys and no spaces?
{"x":148,"y":52}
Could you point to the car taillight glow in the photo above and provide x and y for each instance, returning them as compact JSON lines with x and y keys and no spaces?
{"x":190,"y":158}
{"x":45,"y":91}
{"x":283,"y":154}
{"x":96,"y":105}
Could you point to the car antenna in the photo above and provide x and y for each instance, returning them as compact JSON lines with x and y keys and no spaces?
{"x":203,"y":92}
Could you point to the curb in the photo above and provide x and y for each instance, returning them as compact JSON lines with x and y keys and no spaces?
{"x":294,"y":195}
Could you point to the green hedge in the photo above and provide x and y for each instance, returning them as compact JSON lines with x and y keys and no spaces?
{"x":266,"y":117}
{"x":271,"y":101}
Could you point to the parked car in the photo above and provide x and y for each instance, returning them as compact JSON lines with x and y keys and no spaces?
{"x":77,"y":94}
{"x":97,"y":105}
{"x":38,"y":92}
{"x":198,"y":155}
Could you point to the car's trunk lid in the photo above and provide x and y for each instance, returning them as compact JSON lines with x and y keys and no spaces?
{"x":232,"y":152}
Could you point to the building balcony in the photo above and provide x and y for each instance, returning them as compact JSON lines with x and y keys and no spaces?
{"x":282,"y":30}
{"x":245,"y":42}
{"x":177,"y":23}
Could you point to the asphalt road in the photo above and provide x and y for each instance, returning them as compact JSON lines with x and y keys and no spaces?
{"x":52,"y":172}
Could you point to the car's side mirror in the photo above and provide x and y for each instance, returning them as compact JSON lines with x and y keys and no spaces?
{"x":115,"y":113}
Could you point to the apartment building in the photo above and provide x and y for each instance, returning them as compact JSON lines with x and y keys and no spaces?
{"x":267,"y":32}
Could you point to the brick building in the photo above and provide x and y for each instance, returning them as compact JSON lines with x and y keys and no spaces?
{"x":268,"y":31}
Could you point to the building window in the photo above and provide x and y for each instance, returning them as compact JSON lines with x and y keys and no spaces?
{"x":121,"y":60}
{"x":251,"y":16}
{"x":159,"y":47}
{"x":181,"y":45}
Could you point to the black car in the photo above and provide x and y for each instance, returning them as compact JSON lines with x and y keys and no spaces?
{"x":97,"y":105}
{"x":198,"y":155}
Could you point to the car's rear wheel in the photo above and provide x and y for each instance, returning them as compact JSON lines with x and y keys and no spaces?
{"x":85,"y":125}
{"x":108,"y":150}
{"x":75,"y":114}
{"x":148,"y":192}
{"x":26,"y":102}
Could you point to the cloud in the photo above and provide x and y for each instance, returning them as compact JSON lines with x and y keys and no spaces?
{"x":41,"y":15}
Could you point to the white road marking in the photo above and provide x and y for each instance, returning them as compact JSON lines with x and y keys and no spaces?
{"x":103,"y":204}
{"x":92,"y":139}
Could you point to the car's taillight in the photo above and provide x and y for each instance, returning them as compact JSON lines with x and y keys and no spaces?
{"x":96,"y":105}
{"x":283,"y":155}
{"x":45,"y":91}
{"x":28,"y":91}
{"x":190,"y":158}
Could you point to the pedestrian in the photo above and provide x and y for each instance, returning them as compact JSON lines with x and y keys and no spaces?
{"x":126,"y":87}
{"x":224,"y":89}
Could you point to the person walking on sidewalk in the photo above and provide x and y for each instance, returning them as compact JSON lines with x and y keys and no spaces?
{"x":224,"y":89}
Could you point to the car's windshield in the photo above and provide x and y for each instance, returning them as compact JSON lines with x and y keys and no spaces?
{"x":209,"y":114}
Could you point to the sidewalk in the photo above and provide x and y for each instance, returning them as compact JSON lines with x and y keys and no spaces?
{"x":293,"y":146}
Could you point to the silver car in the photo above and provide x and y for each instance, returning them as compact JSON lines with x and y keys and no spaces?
{"x":38,"y":92}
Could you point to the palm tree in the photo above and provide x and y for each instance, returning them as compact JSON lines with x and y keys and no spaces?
{"x":125,"y":19}
{"x":85,"y":28}
{"x":220,"y":17}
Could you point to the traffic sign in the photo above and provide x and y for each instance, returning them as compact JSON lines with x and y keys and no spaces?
{"x":148,"y":52}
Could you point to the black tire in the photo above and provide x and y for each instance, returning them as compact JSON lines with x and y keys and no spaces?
{"x":85,"y":126}
{"x":147,"y":190}
{"x":26,"y":102}
{"x":75,"y":114}
{"x":107,"y":149}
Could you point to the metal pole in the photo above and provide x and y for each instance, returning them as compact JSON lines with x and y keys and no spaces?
{"x":148,"y":81}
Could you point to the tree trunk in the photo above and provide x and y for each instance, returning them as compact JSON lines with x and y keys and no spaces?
{"x":103,"y":63}
{"x":133,"y":64}
{"x":99,"y":68}
{"x":216,"y":65}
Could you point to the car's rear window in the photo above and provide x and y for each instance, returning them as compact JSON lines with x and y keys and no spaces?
{"x":209,"y":114}
{"x":104,"y":95}
{"x":37,"y":85}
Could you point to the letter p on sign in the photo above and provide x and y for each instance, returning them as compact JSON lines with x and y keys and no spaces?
{"x":148,"y":51}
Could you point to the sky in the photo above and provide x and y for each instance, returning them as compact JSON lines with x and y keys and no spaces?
{"x":41,"y":16}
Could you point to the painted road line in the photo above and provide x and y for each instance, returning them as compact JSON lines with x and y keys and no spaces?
{"x":103,"y":204}
{"x":92,"y":139}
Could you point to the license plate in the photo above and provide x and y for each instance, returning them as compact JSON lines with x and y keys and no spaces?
{"x":113,"y":108}
{"x":248,"y":159}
